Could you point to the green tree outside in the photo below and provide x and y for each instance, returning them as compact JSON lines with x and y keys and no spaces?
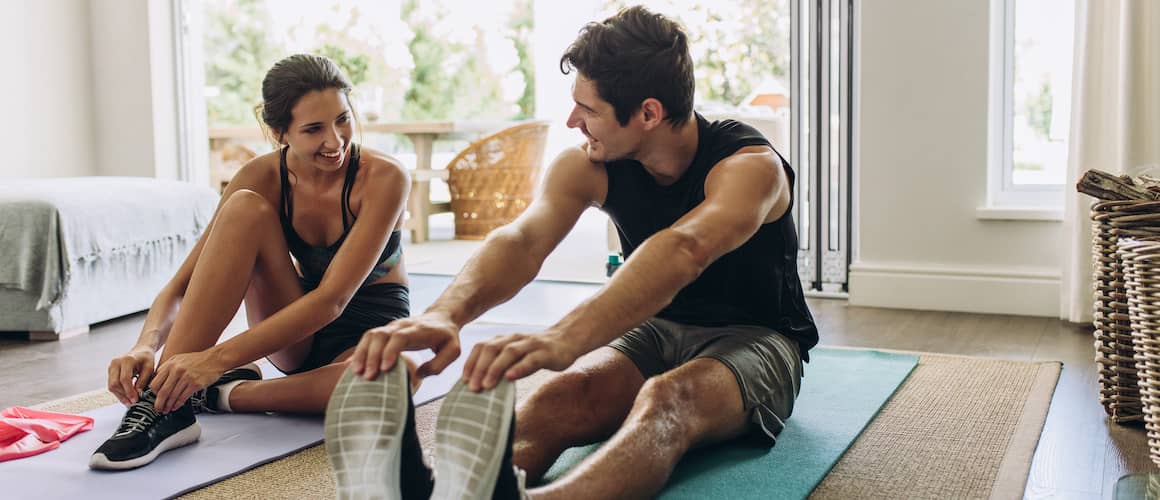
{"x":240,"y":50}
{"x":1038,"y":111}
{"x":444,"y":79}
{"x":735,"y":45}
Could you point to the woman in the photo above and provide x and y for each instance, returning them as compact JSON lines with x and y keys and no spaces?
{"x":337,"y":209}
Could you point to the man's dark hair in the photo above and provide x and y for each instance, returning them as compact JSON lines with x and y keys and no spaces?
{"x":632,"y":56}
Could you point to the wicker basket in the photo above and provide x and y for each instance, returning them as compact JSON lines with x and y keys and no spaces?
{"x":1141,"y":261}
{"x":1112,"y":220}
{"x":492,"y":180}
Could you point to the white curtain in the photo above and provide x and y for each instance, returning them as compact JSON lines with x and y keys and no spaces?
{"x":1115,"y":121}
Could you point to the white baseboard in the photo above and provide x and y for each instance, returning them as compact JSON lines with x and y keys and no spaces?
{"x":938,"y":288}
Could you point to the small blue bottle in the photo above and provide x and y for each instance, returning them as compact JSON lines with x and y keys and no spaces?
{"x":613,"y":264}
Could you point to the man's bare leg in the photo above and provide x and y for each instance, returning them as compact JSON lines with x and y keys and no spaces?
{"x":583,"y":405}
{"x":696,"y":404}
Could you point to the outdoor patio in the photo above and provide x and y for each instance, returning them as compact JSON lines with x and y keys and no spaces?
{"x":579,"y":258}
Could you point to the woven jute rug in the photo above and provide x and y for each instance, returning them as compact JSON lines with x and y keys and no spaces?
{"x":958,"y":427}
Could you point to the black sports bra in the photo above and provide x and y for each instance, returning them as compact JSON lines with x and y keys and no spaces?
{"x":313,"y":261}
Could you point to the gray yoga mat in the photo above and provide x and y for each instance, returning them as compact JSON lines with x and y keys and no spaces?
{"x":229,"y":445}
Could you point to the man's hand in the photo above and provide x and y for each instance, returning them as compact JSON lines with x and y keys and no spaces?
{"x":379,"y":348}
{"x":129,"y":373}
{"x":182,"y":375}
{"x":516,"y":356}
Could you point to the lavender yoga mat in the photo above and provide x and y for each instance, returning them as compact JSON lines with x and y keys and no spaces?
{"x":229,"y":445}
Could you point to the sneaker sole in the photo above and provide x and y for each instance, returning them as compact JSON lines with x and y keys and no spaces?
{"x":470,"y":439}
{"x":364,"y":428}
{"x":184,"y":437}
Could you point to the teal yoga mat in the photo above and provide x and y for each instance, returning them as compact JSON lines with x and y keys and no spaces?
{"x":841,"y":392}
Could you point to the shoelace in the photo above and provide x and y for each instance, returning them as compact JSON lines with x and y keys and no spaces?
{"x":199,"y":401}
{"x":141,"y":414}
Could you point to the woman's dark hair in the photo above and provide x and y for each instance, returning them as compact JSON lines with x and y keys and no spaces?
{"x":633,"y":56}
{"x":290,"y":79}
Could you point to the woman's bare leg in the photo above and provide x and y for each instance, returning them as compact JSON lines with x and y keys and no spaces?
{"x":245,"y":250}
{"x":246,"y":256}
{"x":306,"y":392}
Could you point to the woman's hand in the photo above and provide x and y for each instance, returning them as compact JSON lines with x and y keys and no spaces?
{"x":182,"y":375}
{"x":130,"y":372}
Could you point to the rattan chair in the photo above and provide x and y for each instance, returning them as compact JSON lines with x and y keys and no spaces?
{"x":492,"y":179}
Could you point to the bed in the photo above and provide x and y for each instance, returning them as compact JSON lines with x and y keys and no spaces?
{"x":78,"y":251}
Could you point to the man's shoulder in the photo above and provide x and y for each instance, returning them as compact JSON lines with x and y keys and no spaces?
{"x":729,"y":132}
{"x":572,"y":172}
{"x":575,"y":161}
{"x":576,"y":155}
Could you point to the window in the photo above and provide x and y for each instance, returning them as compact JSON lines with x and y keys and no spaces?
{"x":407,"y":60}
{"x":1031,"y":60}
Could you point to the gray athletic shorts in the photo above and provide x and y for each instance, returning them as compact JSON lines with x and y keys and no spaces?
{"x":767,"y":364}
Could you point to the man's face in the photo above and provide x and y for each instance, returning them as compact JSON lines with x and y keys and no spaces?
{"x":596,"y":119}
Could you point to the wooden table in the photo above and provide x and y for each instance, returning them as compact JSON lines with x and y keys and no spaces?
{"x":422,"y":135}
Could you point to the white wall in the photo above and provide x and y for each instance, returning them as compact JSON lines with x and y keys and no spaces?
{"x":134,"y":88}
{"x":47,"y":128}
{"x":922,"y":171}
{"x":90,"y":89}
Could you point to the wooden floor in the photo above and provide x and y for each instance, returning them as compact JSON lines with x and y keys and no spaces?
{"x":1080,"y":454}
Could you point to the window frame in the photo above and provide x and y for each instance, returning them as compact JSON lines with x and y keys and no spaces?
{"x":1002,"y":192}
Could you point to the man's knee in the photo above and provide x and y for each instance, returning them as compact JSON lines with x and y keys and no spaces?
{"x":690,"y":410}
{"x":668,"y":405}
{"x":568,"y":390}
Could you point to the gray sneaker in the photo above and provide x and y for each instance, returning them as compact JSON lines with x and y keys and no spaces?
{"x":371,"y":439}
{"x":473,"y":445}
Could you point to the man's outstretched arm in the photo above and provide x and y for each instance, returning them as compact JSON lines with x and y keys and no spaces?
{"x":745,"y":191}
{"x":509,"y":259}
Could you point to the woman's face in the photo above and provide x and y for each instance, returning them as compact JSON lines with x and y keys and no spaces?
{"x":321,"y":126}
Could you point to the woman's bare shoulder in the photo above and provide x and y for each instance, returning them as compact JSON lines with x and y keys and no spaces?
{"x":382,"y":174}
{"x":260,"y":174}
{"x":378,"y":160}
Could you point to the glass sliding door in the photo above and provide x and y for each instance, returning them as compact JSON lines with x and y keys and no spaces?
{"x":822,"y":70}
{"x":782,"y":66}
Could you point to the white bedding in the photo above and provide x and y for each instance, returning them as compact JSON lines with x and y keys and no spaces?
{"x":49,"y":225}
{"x":51,"y":228}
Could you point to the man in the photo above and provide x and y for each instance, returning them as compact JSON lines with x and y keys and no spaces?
{"x":698,"y":338}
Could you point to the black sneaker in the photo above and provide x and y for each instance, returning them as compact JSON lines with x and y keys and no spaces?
{"x":473,"y":445}
{"x":371,"y":440}
{"x":207,"y":400}
{"x":144,"y":434}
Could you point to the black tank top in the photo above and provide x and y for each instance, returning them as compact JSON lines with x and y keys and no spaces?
{"x":755,"y":284}
{"x":313,"y":261}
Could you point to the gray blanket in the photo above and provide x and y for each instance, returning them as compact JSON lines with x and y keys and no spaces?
{"x":49,"y":225}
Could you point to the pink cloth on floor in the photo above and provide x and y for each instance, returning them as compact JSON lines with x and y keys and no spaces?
{"x":25,"y":432}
